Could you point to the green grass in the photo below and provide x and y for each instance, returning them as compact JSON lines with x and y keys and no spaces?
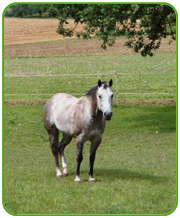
{"x":135,"y":166}
{"x":138,"y":78}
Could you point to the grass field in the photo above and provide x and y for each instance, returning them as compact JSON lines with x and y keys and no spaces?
{"x":138,"y":178}
{"x":135,"y":166}
{"x":137,"y":78}
{"x":140,"y":175}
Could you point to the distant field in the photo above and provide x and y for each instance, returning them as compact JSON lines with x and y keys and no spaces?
{"x":137,"y":78}
{"x":18,"y":30}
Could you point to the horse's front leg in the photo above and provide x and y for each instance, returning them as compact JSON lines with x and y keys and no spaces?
{"x":94,"y":145}
{"x":79,"y":158}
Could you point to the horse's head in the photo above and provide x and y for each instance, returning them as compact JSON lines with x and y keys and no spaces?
{"x":104,"y":98}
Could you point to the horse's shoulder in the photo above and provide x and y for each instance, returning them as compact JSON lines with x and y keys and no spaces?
{"x":81,"y":100}
{"x":84,"y":101}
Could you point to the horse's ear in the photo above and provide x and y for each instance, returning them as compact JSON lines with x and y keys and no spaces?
{"x":110,"y":83}
{"x":99,"y":83}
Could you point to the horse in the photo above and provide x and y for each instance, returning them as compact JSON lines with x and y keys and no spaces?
{"x":81,"y":118}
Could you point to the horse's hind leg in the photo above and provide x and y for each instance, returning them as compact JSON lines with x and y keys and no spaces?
{"x":54,"y":138}
{"x":65,"y":141}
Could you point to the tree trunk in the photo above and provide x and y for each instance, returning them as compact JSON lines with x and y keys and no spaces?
{"x":40,"y":14}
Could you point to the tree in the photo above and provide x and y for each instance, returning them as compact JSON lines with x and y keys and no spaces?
{"x":39,"y":8}
{"x":143,"y":24}
{"x":30,"y":10}
{"x":19,"y":10}
{"x":53,"y":11}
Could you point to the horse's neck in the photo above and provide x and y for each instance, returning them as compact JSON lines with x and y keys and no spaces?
{"x":96,"y":113}
{"x":99,"y":115}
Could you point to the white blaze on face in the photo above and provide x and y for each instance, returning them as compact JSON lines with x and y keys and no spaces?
{"x":104,"y":98}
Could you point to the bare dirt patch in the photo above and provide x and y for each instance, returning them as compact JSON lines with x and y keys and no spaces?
{"x":23,"y":74}
{"x":74,"y":48}
{"x":24,"y":102}
{"x":162,"y":102}
{"x":26,"y":38}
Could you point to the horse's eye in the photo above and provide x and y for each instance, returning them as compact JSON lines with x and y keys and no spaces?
{"x":112,"y":96}
{"x":99,"y":96}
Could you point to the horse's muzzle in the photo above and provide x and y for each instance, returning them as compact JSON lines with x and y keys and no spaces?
{"x":107,"y":116}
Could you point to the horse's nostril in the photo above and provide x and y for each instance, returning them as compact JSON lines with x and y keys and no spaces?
{"x":107,"y":116}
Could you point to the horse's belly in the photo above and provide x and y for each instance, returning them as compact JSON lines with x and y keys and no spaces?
{"x":63,"y":112}
{"x":64,"y":124}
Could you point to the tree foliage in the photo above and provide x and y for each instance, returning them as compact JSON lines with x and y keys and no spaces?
{"x":17,"y":10}
{"x":143,"y":24}
{"x":20,"y":10}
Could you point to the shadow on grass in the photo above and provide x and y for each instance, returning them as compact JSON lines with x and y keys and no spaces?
{"x":123,"y":174}
{"x":151,"y":118}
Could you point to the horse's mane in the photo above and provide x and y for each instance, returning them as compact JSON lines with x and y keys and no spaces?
{"x":93,"y":90}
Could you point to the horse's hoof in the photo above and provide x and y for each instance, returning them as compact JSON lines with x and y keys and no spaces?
{"x":59,"y":174}
{"x":91,"y":179}
{"x":65,"y":171}
{"x":77,"y":179}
